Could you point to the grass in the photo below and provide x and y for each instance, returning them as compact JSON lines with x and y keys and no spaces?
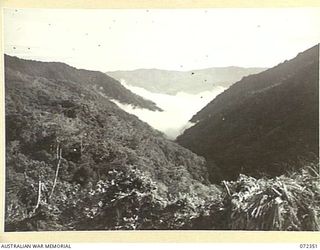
{"x":287,"y":202}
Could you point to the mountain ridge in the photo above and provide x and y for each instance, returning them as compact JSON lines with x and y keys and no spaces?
{"x":88,"y":78}
{"x":64,"y":140}
{"x":191,"y":81}
{"x":76,"y":161}
{"x":262,"y":123}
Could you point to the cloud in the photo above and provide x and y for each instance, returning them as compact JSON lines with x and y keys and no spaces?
{"x":177,"y":109}
{"x":123,"y":39}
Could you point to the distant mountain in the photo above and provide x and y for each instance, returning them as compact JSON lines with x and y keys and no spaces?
{"x":193,"y":82}
{"x":60,"y":128}
{"x":263,"y":123}
{"x":62,"y":72}
{"x":76,"y":161}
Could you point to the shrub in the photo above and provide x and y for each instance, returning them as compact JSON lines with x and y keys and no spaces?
{"x":282,"y":203}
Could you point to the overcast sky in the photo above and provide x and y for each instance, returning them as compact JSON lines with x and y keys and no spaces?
{"x":184,"y":39}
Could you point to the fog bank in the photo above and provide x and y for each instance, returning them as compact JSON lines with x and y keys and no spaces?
{"x":177,"y":109}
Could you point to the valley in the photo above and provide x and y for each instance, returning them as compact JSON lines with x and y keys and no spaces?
{"x":176,"y":110}
{"x":85,"y":151}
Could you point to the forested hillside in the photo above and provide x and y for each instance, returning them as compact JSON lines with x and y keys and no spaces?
{"x":75,"y":161}
{"x":264,"y":125}
{"x":85,"y":78}
{"x":65,"y":141}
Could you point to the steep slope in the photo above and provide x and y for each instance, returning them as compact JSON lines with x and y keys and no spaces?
{"x":262,"y":123}
{"x":193,"y":82}
{"x":63,"y":139}
{"x":88,"y":79}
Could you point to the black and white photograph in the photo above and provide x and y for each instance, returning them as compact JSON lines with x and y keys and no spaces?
{"x":161,"y":119}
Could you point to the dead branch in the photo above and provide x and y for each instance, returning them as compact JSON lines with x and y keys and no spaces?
{"x":226,"y":186}
{"x":39,"y":196}
{"x":59,"y":157}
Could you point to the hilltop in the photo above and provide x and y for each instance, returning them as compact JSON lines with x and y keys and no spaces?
{"x":192,"y":82}
{"x":264,"y":124}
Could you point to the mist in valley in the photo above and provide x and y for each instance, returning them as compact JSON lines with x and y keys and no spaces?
{"x":177,"y":109}
{"x":97,"y":103}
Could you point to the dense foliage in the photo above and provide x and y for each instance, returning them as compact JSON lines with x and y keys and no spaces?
{"x":290,"y":202}
{"x":263,"y":124}
{"x":75,"y":161}
{"x":62,"y":134}
{"x":125,"y":199}
{"x":62,"y":72}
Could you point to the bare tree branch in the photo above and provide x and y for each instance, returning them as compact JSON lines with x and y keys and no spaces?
{"x":39,"y":196}
{"x":59,"y":157}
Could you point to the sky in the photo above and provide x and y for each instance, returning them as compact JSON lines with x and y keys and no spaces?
{"x":172,"y":39}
